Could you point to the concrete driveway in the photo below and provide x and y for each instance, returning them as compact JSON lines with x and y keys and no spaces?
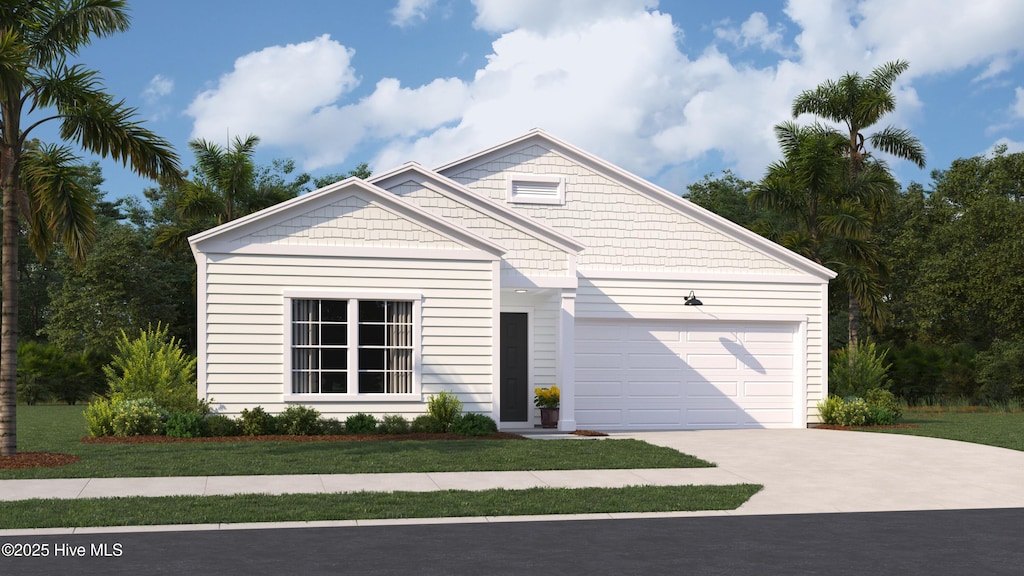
{"x":808,"y":470}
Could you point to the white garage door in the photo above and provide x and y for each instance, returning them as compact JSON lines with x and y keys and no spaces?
{"x":672,"y":374}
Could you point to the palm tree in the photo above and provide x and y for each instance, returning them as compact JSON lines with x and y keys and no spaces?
{"x":41,"y":183}
{"x":858,"y":104}
{"x":833,"y":218}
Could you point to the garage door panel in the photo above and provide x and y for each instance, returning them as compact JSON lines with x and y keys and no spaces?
{"x":711,"y":361}
{"x":655,"y":418}
{"x":599,"y":389}
{"x":654,"y":359}
{"x":598,"y":361}
{"x":712,"y":418}
{"x":720,"y":336}
{"x":597,"y":417}
{"x":768,"y":389}
{"x":706,"y":389}
{"x":648,"y":389}
{"x":769,"y":417}
{"x":640,"y":334}
{"x":780,"y":335}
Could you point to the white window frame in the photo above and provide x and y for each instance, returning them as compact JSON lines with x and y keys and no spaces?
{"x":353,"y":299}
{"x":518,"y":186}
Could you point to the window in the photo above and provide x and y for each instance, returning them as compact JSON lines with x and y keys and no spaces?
{"x":535,"y":189}
{"x":352,"y":346}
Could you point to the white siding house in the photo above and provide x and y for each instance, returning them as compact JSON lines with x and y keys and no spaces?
{"x":528,"y":264}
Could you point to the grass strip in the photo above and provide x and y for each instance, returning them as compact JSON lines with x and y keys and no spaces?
{"x":139,"y":511}
{"x":1001,"y":429}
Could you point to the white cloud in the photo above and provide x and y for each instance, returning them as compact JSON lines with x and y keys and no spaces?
{"x":157,"y":88}
{"x":1017,"y":109}
{"x":1012,"y":146}
{"x":609,"y":76}
{"x":410,"y":12}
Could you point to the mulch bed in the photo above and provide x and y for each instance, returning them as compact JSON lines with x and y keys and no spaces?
{"x":286,"y":438}
{"x":588,"y":433}
{"x":835,"y":427}
{"x":24,"y":460}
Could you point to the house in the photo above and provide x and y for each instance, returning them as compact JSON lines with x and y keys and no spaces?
{"x":525,"y":265}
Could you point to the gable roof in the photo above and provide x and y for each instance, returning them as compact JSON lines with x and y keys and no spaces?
{"x":412,"y":171}
{"x":646,"y":188}
{"x":220,"y":238}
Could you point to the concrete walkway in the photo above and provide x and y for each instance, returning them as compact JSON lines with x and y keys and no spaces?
{"x":803,"y":471}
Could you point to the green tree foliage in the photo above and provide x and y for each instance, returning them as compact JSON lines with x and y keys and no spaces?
{"x":957,"y":255}
{"x":42,"y":184}
{"x":45,"y":372}
{"x":729,"y":197}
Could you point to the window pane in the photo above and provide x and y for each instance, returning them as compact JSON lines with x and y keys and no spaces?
{"x":372,"y":359}
{"x":305,"y":359}
{"x":333,"y":310}
{"x":371,"y":311}
{"x":371,"y":383}
{"x":334,"y":334}
{"x":305,"y":335}
{"x":305,"y":310}
{"x":372,"y":335}
{"x":334,"y":358}
{"x":304,"y":382}
{"x":334,"y":382}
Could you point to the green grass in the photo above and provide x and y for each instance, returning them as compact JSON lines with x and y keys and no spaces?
{"x":1002,"y":429}
{"x":366,"y":505}
{"x":60,"y":428}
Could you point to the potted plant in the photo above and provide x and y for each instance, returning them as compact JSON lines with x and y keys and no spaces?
{"x":547,"y":399}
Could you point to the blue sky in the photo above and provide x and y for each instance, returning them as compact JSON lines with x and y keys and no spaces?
{"x":670,"y":90}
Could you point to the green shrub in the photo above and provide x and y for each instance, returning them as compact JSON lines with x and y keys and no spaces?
{"x":445,"y":407}
{"x":138,"y":417}
{"x":361,"y":424}
{"x":99,"y":417}
{"x":854,"y":373}
{"x":393,"y":424}
{"x":331,"y":427}
{"x":425,"y":424}
{"x":880,"y":416}
{"x":185,"y":425}
{"x":299,"y":421}
{"x":854,"y":412}
{"x":153,"y":366}
{"x":471,"y":424}
{"x":828,"y":410}
{"x":218,"y":425}
{"x":921,"y":371}
{"x":256,"y":422}
{"x":45,"y":371}
{"x":1001,"y":372}
{"x":886,"y":400}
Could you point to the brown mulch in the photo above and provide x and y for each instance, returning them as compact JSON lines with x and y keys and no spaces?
{"x":588,"y":433}
{"x":286,"y":438}
{"x":23,"y":460}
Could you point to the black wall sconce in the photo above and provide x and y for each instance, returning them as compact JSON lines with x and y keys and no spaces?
{"x":691,"y":300}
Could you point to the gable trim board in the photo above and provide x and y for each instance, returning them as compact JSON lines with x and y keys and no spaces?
{"x":468,"y":254}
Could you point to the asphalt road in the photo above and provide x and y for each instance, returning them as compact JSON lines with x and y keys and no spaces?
{"x":905,"y":543}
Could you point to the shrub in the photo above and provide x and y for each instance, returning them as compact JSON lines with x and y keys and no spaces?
{"x":1001,"y":372}
{"x":99,"y":417}
{"x":256,"y":422}
{"x":137,"y":417}
{"x":331,"y":427}
{"x":445,"y":407}
{"x":153,"y":366}
{"x":220,"y":425}
{"x":920,"y":371}
{"x":879,"y":398}
{"x":854,"y":412}
{"x":393,"y":424}
{"x":361,"y":424}
{"x":425,"y":424}
{"x":828,"y":410}
{"x":853,"y":373}
{"x":471,"y":424}
{"x":880,"y":416}
{"x":299,"y":421}
{"x":185,"y":425}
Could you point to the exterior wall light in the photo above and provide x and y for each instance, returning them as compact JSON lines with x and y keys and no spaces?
{"x":691,"y":300}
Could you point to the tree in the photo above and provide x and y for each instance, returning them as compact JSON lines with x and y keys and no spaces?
{"x":43,"y":184}
{"x":831,"y":219}
{"x":858,"y":104}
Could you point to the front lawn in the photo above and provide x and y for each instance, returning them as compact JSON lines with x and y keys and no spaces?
{"x":60,"y":428}
{"x":367,"y":505}
{"x":1002,"y":429}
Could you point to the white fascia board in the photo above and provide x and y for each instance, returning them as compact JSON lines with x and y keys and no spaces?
{"x":452,"y":189}
{"x":323,"y":196}
{"x":468,"y":254}
{"x":652,"y":191}
{"x":701,"y":276}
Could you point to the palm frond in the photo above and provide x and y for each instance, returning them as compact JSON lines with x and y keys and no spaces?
{"x":900,"y":143}
{"x":61,"y":206}
{"x":71,"y":25}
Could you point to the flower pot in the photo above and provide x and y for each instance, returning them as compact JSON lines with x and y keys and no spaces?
{"x":549,"y":417}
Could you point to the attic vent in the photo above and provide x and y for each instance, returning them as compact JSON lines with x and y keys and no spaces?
{"x":535,"y":189}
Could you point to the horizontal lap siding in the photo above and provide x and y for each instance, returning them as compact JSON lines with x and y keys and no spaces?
{"x":245,"y":325}
{"x":755,"y":299}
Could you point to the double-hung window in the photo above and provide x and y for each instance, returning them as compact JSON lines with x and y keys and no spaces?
{"x":352,"y":345}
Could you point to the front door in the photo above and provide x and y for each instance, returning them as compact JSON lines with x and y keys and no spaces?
{"x":514,"y":374}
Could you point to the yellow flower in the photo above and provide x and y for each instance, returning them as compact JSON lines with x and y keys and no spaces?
{"x":546,"y":397}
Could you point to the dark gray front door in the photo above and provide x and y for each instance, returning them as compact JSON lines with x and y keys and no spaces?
{"x":514,"y":376}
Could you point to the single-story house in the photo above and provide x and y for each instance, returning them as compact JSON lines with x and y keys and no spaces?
{"x":529,"y":264}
